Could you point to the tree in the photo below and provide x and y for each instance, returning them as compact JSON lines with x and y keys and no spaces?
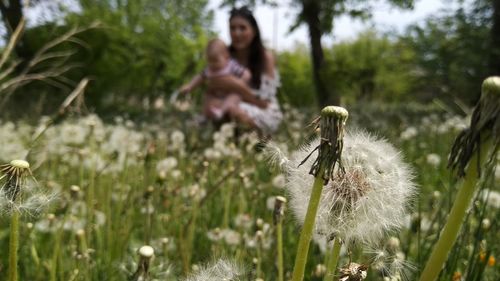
{"x":146,"y":48}
{"x":456,"y":51}
{"x":371,"y":67}
{"x":319,"y":16}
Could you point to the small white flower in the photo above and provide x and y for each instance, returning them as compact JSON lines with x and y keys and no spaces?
{"x":433,"y":159}
{"x":492,"y":198}
{"x":409,"y":133}
{"x":231,"y":237}
{"x":166,"y":165}
{"x":244,"y":221}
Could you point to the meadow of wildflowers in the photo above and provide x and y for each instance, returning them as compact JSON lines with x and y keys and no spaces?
{"x":168,"y":198}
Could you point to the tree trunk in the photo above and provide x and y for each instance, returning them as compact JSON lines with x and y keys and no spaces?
{"x":12,"y":13}
{"x":324,"y":92}
{"x":495,"y":40}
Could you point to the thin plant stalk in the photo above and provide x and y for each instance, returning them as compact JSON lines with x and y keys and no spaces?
{"x":13,"y":245}
{"x":452,"y":228}
{"x":278,"y":213}
{"x":331,"y":124}
{"x":333,"y":260}
{"x":279,"y":242}
{"x":307,"y":229}
{"x":469,"y":152}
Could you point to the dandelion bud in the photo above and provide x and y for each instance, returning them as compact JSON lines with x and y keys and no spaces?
{"x":20,"y":164}
{"x":485,"y":224}
{"x":74,"y":191}
{"x":149,"y":191}
{"x":15,"y":174}
{"x":485,"y":123}
{"x":80,"y":233}
{"x":259,"y":223}
{"x":279,"y":209}
{"x":319,"y":270}
{"x":259,"y":235}
{"x":331,"y":124}
{"x":51,"y":219}
{"x":146,"y":254}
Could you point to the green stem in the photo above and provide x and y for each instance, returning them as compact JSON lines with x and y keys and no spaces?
{"x":13,"y":245}
{"x":452,"y":228}
{"x":279,"y":239}
{"x":307,"y":229}
{"x":333,"y":260}
{"x":227,"y":206}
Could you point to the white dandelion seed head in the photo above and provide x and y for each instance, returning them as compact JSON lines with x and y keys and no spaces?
{"x":392,"y":265}
{"x":433,"y":159}
{"x":492,"y":198}
{"x":222,"y":270}
{"x":409,"y":133}
{"x":363,"y":204}
{"x":166,"y":165}
{"x":276,"y":154}
{"x":177,"y":138}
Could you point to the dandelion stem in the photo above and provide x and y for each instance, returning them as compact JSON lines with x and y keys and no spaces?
{"x":333,"y":260}
{"x":13,"y":245}
{"x":451,"y":229}
{"x":307,"y":229}
{"x":279,"y":239}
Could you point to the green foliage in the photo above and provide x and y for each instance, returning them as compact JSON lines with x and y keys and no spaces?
{"x":146,"y":48}
{"x":295,"y":70}
{"x":370,"y":67}
{"x":452,"y":53}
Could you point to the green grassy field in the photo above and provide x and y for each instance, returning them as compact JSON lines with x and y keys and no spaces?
{"x":197,"y":195}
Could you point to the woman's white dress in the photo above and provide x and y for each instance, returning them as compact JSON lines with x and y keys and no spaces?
{"x":267,"y":119}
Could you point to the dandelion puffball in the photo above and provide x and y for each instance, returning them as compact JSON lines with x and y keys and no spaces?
{"x":221,"y":270}
{"x":363,"y":203}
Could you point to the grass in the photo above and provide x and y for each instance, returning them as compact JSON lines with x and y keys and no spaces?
{"x":212,"y":202}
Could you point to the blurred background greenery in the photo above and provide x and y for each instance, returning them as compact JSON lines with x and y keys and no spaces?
{"x":143,"y":50}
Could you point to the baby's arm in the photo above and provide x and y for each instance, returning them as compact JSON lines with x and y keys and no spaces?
{"x":246,"y":76}
{"x":193,"y":84}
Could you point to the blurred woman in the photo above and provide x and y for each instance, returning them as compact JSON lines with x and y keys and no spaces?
{"x":259,"y":108}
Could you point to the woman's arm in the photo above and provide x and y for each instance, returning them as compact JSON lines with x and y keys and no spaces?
{"x":233,"y":84}
{"x":269,"y":68}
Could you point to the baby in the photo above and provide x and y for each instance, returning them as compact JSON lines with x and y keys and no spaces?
{"x":219,"y":63}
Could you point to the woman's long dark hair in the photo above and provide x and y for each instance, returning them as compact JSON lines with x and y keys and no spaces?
{"x":257,"y":58}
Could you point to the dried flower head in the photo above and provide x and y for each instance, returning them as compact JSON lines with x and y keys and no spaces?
{"x":331,"y":123}
{"x":353,"y":272}
{"x":221,"y":270}
{"x":279,"y":208}
{"x":146,"y":254}
{"x":364,"y":201}
{"x":485,"y":123}
{"x":17,"y":191}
